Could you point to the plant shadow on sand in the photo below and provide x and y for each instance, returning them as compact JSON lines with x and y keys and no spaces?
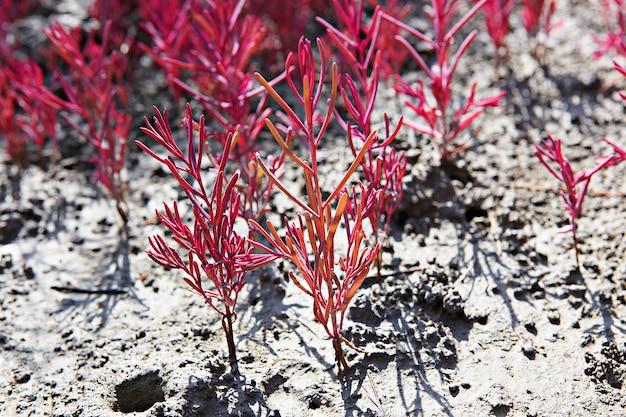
{"x":105,"y":291}
{"x":225,"y":395}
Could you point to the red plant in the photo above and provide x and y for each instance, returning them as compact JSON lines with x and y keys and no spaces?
{"x":168,"y":25}
{"x":310,"y":240}
{"x":443,"y":123}
{"x":223,"y":44}
{"x":574,"y":185}
{"x":534,"y":12}
{"x":497,"y":13}
{"x":95,"y":92}
{"x":537,"y":17}
{"x":214,"y":249}
{"x":26,"y":116}
{"x":615,"y":17}
{"x":383,"y":167}
{"x":619,"y":154}
{"x":11,"y":10}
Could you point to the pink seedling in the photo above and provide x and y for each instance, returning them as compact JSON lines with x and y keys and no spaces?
{"x":358,"y":45}
{"x":497,"y":13}
{"x":223,"y":43}
{"x":95,"y":92}
{"x":433,"y":104}
{"x":619,"y":154}
{"x":213,"y":248}
{"x":29,"y":110}
{"x":574,"y":185}
{"x":168,"y":25}
{"x":614,"y":12}
{"x":537,"y":18}
{"x":330,"y":280}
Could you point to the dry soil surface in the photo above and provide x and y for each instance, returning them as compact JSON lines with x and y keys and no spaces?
{"x":481,"y":310}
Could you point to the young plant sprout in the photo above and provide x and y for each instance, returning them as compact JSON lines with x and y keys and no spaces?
{"x":330,"y":279}
{"x":574,"y":186}
{"x":212,"y":247}
{"x":537,"y":20}
{"x":383,"y":167}
{"x":497,"y":13}
{"x":95,"y":92}
{"x":442,"y":121}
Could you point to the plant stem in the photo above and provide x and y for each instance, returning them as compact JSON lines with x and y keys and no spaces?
{"x":122,"y":212}
{"x":576,"y":250}
{"x":227,"y":325}
{"x":379,"y":264}
{"x":342,"y":364}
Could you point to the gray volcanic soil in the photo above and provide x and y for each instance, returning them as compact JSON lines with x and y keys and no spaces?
{"x":496,"y":321}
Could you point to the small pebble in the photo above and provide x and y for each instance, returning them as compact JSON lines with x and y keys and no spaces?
{"x":530,"y":327}
{"x":227,"y":377}
{"x":554,"y":317}
{"x":21,"y":377}
{"x":587,"y":339}
{"x":528,"y":349}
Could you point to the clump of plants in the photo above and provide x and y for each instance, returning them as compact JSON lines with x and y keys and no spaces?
{"x":537,"y":20}
{"x":331,"y":278}
{"x":213,"y":248}
{"x":213,"y":52}
{"x":574,"y":186}
{"x":497,"y":14}
{"x":95,"y":93}
{"x":209,"y":54}
{"x":87,"y":91}
{"x":360,"y":49}
{"x":441,"y":119}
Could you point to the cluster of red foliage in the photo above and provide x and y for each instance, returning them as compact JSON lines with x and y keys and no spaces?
{"x":25,"y":119}
{"x":331,"y":282}
{"x":211,"y":51}
{"x":443,"y":123}
{"x":361,"y":48}
{"x":206,"y":48}
{"x":549,"y":152}
{"x":95,"y":91}
{"x":536,"y":17}
{"x":575,"y":185}
{"x":90,"y":88}
{"x":214,"y":247}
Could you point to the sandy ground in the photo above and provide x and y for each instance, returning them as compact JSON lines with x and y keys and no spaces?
{"x":495,"y":321}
